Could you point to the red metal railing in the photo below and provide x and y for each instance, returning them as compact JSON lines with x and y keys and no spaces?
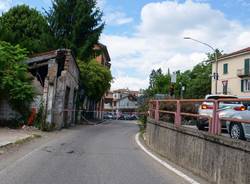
{"x":214,"y":126}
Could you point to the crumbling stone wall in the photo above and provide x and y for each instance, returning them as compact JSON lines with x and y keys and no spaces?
{"x":64,"y":104}
{"x":60,"y":88}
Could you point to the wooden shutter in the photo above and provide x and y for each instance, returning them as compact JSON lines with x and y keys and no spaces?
{"x":225,"y":68}
{"x":246,"y":66}
{"x":242,"y":85}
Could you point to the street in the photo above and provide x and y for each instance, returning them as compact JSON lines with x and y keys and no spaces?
{"x":101,"y":154}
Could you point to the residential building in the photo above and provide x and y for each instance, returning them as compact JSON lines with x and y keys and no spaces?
{"x":234,"y":73}
{"x":121,"y":101}
{"x":91,"y":108}
{"x":108,"y":102}
{"x":102,"y":57}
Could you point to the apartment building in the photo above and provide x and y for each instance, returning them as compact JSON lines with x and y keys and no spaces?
{"x":234,"y":73}
{"x":121,"y":101}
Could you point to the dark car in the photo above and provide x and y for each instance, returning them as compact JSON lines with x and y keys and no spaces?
{"x":133,"y":117}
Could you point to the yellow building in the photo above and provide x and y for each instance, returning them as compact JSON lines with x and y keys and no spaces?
{"x":234,"y":74}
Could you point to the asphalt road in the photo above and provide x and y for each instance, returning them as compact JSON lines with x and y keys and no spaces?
{"x":102,"y":154}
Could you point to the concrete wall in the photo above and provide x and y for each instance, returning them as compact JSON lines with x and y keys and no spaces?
{"x":217,"y":159}
{"x":6,"y":112}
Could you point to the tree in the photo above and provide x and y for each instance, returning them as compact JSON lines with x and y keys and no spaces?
{"x":15,"y":83}
{"x":211,"y":56}
{"x":95,"y":79}
{"x":77,"y":25}
{"x":197,"y":81}
{"x":158,"y":83}
{"x":27,"y":27}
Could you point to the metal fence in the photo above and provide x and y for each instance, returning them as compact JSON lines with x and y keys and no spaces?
{"x":179,"y":112}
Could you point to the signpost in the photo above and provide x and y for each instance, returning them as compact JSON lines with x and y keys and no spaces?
{"x":173,"y":78}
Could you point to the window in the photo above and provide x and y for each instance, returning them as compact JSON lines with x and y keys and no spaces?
{"x":247,"y":68}
{"x":224,"y":86}
{"x":245,"y":85}
{"x":225,"y":68}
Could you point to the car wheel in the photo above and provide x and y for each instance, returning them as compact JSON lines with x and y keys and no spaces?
{"x":236,"y":131}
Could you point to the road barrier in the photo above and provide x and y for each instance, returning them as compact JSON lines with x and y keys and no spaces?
{"x":175,"y":108}
{"x":216,"y":158}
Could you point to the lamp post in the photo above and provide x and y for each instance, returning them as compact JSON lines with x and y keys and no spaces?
{"x":216,"y":76}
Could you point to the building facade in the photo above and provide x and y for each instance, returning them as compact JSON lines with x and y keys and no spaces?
{"x":234,"y":74}
{"x":102,"y":56}
{"x":57,"y":74}
{"x":121,"y":101}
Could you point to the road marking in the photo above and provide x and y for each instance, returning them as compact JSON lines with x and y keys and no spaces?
{"x":165,"y":164}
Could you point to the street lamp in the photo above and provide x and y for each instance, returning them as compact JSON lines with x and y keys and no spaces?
{"x":216,"y":76}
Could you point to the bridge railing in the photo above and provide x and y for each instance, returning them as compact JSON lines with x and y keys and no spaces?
{"x":182,"y":112}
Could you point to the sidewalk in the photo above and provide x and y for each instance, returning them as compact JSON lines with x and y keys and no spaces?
{"x":12,"y":136}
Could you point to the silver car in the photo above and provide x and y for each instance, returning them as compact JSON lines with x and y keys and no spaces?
{"x":238,"y":130}
{"x":206,"y":109}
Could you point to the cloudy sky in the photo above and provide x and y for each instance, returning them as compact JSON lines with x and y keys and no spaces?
{"x":142,"y":35}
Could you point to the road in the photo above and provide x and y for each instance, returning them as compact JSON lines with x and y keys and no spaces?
{"x":101,"y":154}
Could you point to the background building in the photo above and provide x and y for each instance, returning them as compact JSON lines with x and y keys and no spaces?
{"x":234,"y":73}
{"x":121,"y":101}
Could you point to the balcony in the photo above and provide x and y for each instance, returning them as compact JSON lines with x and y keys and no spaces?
{"x":243,"y":73}
{"x":108,"y":107}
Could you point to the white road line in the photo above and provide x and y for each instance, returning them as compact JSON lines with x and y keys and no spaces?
{"x":166,"y":165}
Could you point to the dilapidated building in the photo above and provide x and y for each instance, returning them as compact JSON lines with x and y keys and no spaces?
{"x":56,"y":82}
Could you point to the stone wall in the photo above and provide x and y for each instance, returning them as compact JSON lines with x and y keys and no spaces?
{"x":217,"y":159}
{"x":60,"y":91}
{"x":64,"y":112}
{"x":6,"y":112}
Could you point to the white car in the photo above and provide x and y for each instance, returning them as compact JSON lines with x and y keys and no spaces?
{"x":225,"y":109}
{"x":238,"y":130}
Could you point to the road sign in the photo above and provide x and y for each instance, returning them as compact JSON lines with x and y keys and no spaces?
{"x":173,"y":78}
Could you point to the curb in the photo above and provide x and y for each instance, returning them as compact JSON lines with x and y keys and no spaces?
{"x":21,"y":141}
{"x":163,"y":163}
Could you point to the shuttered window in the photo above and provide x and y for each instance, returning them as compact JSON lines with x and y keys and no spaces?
{"x":246,"y":68}
{"x":225,"y":68}
{"x":245,"y":85}
{"x":242,"y":85}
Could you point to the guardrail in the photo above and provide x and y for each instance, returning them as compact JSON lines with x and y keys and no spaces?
{"x":175,"y":108}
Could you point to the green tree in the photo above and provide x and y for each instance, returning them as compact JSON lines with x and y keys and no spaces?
{"x":27,"y":27}
{"x":95,"y":79}
{"x":15,"y":83}
{"x":158,"y":83}
{"x":197,"y":81}
{"x":211,"y":56}
{"x":77,"y":25}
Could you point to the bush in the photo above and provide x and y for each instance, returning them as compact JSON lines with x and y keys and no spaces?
{"x":15,"y":82}
{"x":39,"y":120}
{"x":143,"y":122}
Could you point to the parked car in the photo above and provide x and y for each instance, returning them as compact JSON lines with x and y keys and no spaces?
{"x":108,"y":116}
{"x":206,"y":109}
{"x":121,"y":117}
{"x":238,"y":130}
{"x":133,"y":117}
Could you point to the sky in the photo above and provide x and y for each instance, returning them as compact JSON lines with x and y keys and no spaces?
{"x":142,"y":35}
